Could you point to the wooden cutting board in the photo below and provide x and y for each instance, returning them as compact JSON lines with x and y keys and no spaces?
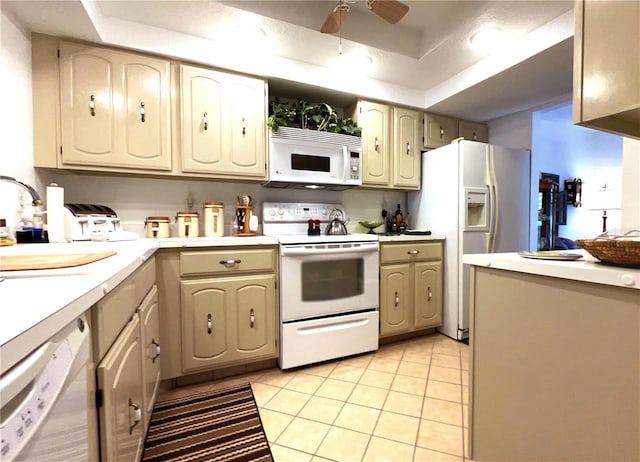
{"x":38,"y":262}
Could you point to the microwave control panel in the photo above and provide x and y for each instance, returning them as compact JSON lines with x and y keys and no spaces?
{"x":354,"y":169}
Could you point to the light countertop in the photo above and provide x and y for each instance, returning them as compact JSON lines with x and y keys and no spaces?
{"x":586,"y":269}
{"x":411,"y":237}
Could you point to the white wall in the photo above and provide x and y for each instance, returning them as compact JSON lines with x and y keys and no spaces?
{"x":594,"y":156}
{"x":16,"y":126}
{"x":630,"y":184}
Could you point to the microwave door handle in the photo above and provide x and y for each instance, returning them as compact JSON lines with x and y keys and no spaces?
{"x":345,"y":171}
{"x":310,"y":251}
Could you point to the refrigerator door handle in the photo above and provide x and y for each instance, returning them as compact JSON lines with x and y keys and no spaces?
{"x":493,"y":203}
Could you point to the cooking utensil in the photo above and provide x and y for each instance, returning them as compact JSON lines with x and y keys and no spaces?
{"x":337,"y":226}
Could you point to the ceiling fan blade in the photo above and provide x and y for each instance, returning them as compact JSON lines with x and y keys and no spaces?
{"x":391,"y":11}
{"x":335,"y":19}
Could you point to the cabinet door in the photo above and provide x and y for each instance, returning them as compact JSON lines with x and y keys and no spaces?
{"x":376,"y":148}
{"x":395,"y":300}
{"x":256,"y":317}
{"x":245,"y":102}
{"x":427,"y":294}
{"x":473,"y":131}
{"x":206,"y":306}
{"x":406,"y":152}
{"x":114,"y":108}
{"x":201,"y":109}
{"x":119,"y":378}
{"x":150,"y":337}
{"x":439,"y":130}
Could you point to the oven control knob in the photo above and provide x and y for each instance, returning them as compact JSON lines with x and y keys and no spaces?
{"x":324,"y":211}
{"x":280,"y":211}
{"x":272,"y":212}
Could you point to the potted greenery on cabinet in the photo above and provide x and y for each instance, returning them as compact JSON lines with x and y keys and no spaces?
{"x":302,"y":114}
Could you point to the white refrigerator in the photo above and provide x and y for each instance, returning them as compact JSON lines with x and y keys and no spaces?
{"x":478,"y":196}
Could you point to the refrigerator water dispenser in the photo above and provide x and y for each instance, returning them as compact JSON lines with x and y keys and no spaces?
{"x":476,"y":217}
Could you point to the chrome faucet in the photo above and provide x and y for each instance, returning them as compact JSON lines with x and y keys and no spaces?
{"x":36,"y":201}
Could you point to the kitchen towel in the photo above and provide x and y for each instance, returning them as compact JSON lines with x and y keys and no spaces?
{"x":55,"y":213}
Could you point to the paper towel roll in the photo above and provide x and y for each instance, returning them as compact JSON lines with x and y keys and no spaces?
{"x":55,"y":213}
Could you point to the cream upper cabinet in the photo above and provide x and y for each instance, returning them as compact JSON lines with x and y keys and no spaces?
{"x":606,"y":66}
{"x":375,"y":121}
{"x":223,"y":124}
{"x":473,"y":131}
{"x":439,"y":130}
{"x":406,"y":150}
{"x":115,"y":109}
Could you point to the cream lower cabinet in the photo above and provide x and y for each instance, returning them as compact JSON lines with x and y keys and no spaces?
{"x":410,"y":287}
{"x":223,"y":124}
{"x":218,"y":308}
{"x":227,"y":320}
{"x":126,"y":329}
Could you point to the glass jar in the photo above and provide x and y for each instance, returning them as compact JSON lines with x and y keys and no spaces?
{"x":157,"y":226}
{"x":188,"y":224}
{"x":213,"y":219}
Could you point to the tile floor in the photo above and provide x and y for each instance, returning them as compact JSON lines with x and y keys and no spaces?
{"x":405,"y":402}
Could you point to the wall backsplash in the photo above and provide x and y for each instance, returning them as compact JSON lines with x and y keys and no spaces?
{"x":135,"y":199}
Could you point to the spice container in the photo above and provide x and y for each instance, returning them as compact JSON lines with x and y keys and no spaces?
{"x":188,"y":224}
{"x":213,"y":219}
{"x":157,"y":226}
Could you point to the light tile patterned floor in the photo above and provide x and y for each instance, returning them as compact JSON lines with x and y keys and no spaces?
{"x":405,"y":402}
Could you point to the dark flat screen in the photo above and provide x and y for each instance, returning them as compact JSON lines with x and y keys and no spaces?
{"x":310,"y":163}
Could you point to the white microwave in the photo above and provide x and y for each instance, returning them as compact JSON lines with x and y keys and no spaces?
{"x":313,"y":159}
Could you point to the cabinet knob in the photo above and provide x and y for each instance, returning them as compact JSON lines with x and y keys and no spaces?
{"x":397,"y":299}
{"x":135,"y":414}
{"x":441,"y":131}
{"x":429,"y":294}
{"x":205,"y":121}
{"x":244,"y":127}
{"x":475,"y":136}
{"x":209,"y":324}
{"x":252,"y":318}
{"x":156,"y":352}
{"x":92,"y":105}
{"x":376,"y":144}
{"x":142,"y":111}
{"x":408,"y":148}
{"x":230,"y":262}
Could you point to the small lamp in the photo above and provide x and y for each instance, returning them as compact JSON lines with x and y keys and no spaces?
{"x":605,"y":198}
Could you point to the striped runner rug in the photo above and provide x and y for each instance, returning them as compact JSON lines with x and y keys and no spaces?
{"x":218,"y":425}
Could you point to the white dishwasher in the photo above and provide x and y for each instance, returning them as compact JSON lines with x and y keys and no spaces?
{"x":44,"y":402}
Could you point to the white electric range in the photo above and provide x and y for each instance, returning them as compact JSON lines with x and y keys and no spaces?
{"x":328,"y":285}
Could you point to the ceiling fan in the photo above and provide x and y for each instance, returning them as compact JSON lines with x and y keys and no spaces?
{"x":391,"y":11}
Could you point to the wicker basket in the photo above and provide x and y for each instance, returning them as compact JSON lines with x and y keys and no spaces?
{"x":618,"y":250}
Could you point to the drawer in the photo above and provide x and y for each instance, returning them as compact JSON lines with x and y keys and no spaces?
{"x":415,"y":251}
{"x":114,"y":311}
{"x":227,"y":261}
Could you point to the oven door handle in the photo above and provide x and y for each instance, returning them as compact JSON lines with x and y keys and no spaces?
{"x":284,"y":251}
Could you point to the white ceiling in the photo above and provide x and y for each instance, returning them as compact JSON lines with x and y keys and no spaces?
{"x":424,"y":61}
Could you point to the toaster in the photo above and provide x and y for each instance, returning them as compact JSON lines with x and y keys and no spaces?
{"x":83,"y":222}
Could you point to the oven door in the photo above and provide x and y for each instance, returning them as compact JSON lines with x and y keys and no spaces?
{"x":327,"y":278}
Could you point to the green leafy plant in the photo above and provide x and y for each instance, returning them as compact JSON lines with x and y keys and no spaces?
{"x":300,"y":113}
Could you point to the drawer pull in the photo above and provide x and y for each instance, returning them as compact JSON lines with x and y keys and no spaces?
{"x":252,"y":318}
{"x":209,"y":324}
{"x":397,"y":300}
{"x":408,"y":148}
{"x":92,"y":105}
{"x":413,"y":252}
{"x":429,"y":294}
{"x":137,"y":415}
{"x":377,"y":144}
{"x":441,"y":132}
{"x":142,"y":111}
{"x":156,"y":346}
{"x":205,"y":120}
{"x":230,"y":262}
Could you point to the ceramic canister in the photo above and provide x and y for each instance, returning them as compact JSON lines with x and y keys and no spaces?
{"x":188,"y":224}
{"x":157,"y":226}
{"x":213,"y":219}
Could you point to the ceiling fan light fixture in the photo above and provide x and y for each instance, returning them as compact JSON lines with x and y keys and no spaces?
{"x":487,"y":37}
